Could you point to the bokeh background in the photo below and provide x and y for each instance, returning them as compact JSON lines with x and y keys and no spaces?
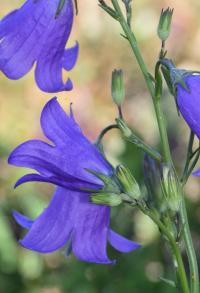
{"x":101,"y":50}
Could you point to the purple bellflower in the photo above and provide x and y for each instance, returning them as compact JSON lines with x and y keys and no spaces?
{"x":70,"y":217}
{"x":33,"y":34}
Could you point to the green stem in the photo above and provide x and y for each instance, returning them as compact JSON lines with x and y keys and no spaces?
{"x":159,"y":114}
{"x":104,"y":131}
{"x":165,"y":148}
{"x":175,"y":249}
{"x":188,"y":157}
{"x":194,"y":274}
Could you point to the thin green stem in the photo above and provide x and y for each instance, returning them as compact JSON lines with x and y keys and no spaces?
{"x":194,"y":274}
{"x":188,"y":157}
{"x":134,"y":139}
{"x":159,"y":114}
{"x":163,"y":132}
{"x":104,"y":131}
{"x":175,"y":249}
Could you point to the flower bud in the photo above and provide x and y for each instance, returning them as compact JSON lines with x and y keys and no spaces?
{"x":128,"y":183}
{"x":170,"y":188}
{"x":164,"y":25}
{"x":118,"y":89}
{"x":104,"y":198}
{"x":152,"y":182}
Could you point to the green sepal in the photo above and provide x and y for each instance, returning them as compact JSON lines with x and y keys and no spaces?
{"x":128,"y":183}
{"x":103,"y":198}
{"x":60,"y":7}
{"x":166,"y":74}
{"x":171,"y":189}
{"x":110,"y":183}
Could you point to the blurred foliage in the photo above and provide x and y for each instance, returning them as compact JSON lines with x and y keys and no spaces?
{"x":102,"y":50}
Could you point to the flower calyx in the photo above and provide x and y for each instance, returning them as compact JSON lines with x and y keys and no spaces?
{"x":129,"y":185}
{"x":170,"y":187}
{"x":175,"y":76}
{"x":164,"y":25}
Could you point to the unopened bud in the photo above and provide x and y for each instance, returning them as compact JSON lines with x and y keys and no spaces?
{"x":152,"y":182}
{"x":128,"y":183}
{"x":109,"y":199}
{"x":171,"y":188}
{"x":118,"y":89}
{"x":164,"y":25}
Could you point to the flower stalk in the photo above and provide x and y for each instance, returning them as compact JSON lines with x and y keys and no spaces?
{"x":155,"y":91}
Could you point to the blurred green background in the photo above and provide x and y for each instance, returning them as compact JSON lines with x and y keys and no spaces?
{"x":101,"y":50}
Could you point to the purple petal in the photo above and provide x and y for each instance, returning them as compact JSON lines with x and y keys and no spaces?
{"x":189,"y":102}
{"x":70,"y":57}
{"x":67,"y":181}
{"x":89,"y":238}
{"x":71,"y":154}
{"x":52,"y":229}
{"x":68,"y":137}
{"x":48,"y":73}
{"x":22,"y":220}
{"x":120,"y":243}
{"x":21,"y":46}
{"x":48,"y":161}
{"x":6,"y":24}
{"x":33,"y":34}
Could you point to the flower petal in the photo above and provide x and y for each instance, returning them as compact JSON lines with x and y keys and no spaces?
{"x":189,"y":102}
{"x":33,"y":34}
{"x":21,"y":46}
{"x":52,"y":229}
{"x":68,"y":182}
{"x":70,"y":57}
{"x":71,"y":154}
{"x":63,"y":131}
{"x":120,"y":243}
{"x":22,"y":220}
{"x":48,"y":161}
{"x":6,"y":24}
{"x":89,"y":238}
{"x":48,"y":73}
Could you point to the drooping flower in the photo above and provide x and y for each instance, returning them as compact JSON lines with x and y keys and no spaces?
{"x":188,"y":100}
{"x":70,"y":216}
{"x":33,"y":34}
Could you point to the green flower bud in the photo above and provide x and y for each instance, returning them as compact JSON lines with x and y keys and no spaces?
{"x":118,"y":89}
{"x":152,"y":182}
{"x":128,"y":183}
{"x":171,"y":189}
{"x":109,"y":199}
{"x":164,"y":25}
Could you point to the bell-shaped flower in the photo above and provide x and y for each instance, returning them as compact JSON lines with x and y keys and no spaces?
{"x":70,"y":217}
{"x":32,"y":35}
